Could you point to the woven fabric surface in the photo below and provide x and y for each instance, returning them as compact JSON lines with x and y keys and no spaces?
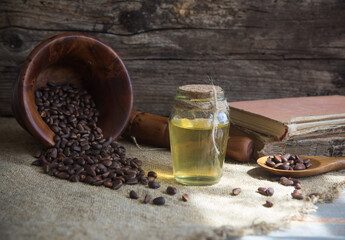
{"x":34,"y":205}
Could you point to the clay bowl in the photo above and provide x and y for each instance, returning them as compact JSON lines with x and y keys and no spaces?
{"x":85,"y":62}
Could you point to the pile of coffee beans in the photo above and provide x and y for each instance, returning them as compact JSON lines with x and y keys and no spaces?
{"x":288,"y":162}
{"x":81,"y":152}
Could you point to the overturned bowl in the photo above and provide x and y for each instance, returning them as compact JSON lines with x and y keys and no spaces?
{"x":80,"y":60}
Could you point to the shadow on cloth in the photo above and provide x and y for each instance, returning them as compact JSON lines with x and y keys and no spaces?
{"x":260,"y":173}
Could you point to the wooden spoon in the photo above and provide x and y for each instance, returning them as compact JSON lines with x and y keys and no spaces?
{"x":319,"y":165}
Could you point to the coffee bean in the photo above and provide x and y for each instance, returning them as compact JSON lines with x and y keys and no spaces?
{"x":236,"y":191}
{"x":133,"y":195}
{"x":262,"y":190}
{"x":268,"y":204}
{"x":171,"y":190}
{"x":277,"y":159}
{"x":74,"y":178}
{"x":278,"y":165}
{"x":68,"y":161}
{"x":137,"y":162}
{"x":159,"y":201}
{"x":270,"y":163}
{"x":299,"y":166}
{"x":297,"y":195}
{"x":108,"y":184}
{"x":130,"y":177}
{"x":62,"y":175}
{"x":152,"y":174}
{"x":305,"y":161}
{"x":295,"y":181}
{"x":55,"y":128}
{"x":144,"y":181}
{"x":185,"y":197}
{"x":269,"y":191}
{"x":283,"y":166}
{"x":286,"y":182}
{"x":147,"y":198}
{"x":97,"y":183}
{"x":36,"y":163}
{"x":53,"y":153}
{"x":154,"y":185}
{"x":76,"y":148}
{"x":117,"y":184}
{"x":308,"y":165}
{"x":90,"y":171}
{"x":107,"y":163}
{"x":132,"y":181}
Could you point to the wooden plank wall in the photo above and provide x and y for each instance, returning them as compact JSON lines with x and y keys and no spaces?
{"x":253,"y":49}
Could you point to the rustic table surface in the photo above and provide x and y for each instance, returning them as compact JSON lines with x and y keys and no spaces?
{"x":327,"y":223}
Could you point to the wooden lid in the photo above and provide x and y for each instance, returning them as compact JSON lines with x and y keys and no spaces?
{"x":200,"y":91}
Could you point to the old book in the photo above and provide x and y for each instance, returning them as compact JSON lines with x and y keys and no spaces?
{"x":332,"y":145}
{"x":287,"y":118}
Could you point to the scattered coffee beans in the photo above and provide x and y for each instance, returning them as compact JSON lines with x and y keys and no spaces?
{"x":185,"y":197}
{"x":171,"y":190}
{"x":81,"y":152}
{"x":133,"y":195}
{"x":236,"y":191}
{"x":262,"y":190}
{"x":268,"y":204}
{"x":288,"y":162}
{"x":159,"y":201}
{"x":266,"y":191}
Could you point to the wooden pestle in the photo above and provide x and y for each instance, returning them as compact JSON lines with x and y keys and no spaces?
{"x":154,"y":130}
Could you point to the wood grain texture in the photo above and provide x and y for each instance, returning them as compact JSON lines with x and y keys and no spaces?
{"x":254,"y":50}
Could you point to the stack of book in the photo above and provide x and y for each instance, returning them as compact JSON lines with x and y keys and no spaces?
{"x":305,"y":125}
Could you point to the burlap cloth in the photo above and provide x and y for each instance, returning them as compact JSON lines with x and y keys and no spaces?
{"x":37,"y":206}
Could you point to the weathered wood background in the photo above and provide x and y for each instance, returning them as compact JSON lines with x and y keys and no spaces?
{"x":253,"y":49}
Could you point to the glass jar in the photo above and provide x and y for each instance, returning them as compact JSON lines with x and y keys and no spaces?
{"x":199,"y":129}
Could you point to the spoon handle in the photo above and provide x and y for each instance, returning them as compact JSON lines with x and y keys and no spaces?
{"x":337,"y":165}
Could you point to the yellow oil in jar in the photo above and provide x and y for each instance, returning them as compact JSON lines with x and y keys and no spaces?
{"x":194,"y":157}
